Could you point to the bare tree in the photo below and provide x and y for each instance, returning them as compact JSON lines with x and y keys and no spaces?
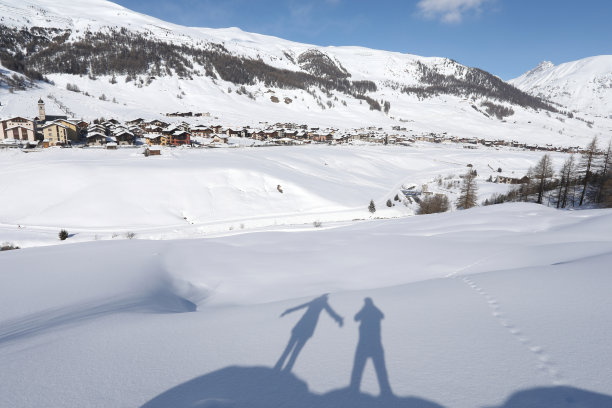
{"x":568,"y":177}
{"x":541,"y":173}
{"x":469,"y":191}
{"x":433,"y":204}
{"x":587,"y":162}
{"x":605,"y":173}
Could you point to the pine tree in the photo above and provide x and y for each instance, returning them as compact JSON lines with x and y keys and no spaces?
{"x":372,"y":207}
{"x":63,"y":234}
{"x":469,"y":191}
{"x":389,"y":203}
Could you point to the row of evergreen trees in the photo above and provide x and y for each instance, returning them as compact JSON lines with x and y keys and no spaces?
{"x":473,"y":82}
{"x":121,"y":52}
{"x":583,"y":180}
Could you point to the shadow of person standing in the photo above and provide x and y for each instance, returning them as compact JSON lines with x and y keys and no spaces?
{"x":304,"y":329}
{"x":370,"y":346}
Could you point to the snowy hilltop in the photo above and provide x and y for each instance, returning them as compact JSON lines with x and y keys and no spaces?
{"x":102,"y":60}
{"x":583,"y":86}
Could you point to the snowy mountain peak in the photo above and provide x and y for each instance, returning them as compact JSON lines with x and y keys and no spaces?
{"x":103,"y":60}
{"x":543,"y":66}
{"x":583,"y":85}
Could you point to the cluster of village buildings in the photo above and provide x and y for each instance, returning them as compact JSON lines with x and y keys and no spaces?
{"x":53,"y":130}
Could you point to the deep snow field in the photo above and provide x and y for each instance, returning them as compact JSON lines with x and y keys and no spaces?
{"x":97,"y":194}
{"x":500,"y":306}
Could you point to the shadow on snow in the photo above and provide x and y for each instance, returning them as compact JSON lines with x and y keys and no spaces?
{"x":263,"y":387}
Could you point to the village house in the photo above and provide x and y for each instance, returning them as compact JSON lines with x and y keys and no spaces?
{"x":154,"y":139}
{"x":219,"y":139}
{"x":136,"y":131}
{"x":135,"y":122}
{"x":18,"y":129}
{"x":232,"y":133}
{"x":72,"y":130}
{"x":123,"y":137}
{"x":55,"y":134}
{"x":96,"y":138}
{"x":158,"y":123}
{"x":201,"y":131}
{"x":179,"y":138}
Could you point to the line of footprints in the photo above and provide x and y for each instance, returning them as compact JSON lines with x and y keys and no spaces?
{"x":544,"y":361}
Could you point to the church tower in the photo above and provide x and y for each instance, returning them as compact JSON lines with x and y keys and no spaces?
{"x":41,"y":110}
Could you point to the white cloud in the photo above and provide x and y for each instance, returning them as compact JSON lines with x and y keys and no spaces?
{"x":449,"y":11}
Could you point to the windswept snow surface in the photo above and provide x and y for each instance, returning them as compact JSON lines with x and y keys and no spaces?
{"x":497,"y":306}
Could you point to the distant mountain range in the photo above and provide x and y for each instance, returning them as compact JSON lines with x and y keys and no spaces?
{"x":101,"y":59}
{"x":584,"y":85}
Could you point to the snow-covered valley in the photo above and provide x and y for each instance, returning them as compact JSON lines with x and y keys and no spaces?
{"x":499,"y":306}
{"x":97,"y":194}
{"x":276,"y":258}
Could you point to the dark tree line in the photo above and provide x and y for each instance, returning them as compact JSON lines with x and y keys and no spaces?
{"x":586,"y":180}
{"x":472,"y":82}
{"x":499,"y":111}
{"x":319,"y":64}
{"x":121,"y":52}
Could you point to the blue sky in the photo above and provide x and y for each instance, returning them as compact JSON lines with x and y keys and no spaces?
{"x":504,"y":37}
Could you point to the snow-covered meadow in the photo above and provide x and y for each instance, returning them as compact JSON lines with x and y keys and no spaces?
{"x":97,"y":194}
{"x":509,"y":301}
{"x":501,"y":306}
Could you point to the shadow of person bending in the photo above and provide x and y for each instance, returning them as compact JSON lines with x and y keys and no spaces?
{"x":370,"y":346}
{"x":263,"y":387}
{"x":304,"y":329}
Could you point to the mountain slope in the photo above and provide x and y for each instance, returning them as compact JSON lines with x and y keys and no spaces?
{"x":123,"y":64}
{"x":584,"y":85}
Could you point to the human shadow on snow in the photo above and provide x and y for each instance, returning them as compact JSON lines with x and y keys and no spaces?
{"x":264,"y":387}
